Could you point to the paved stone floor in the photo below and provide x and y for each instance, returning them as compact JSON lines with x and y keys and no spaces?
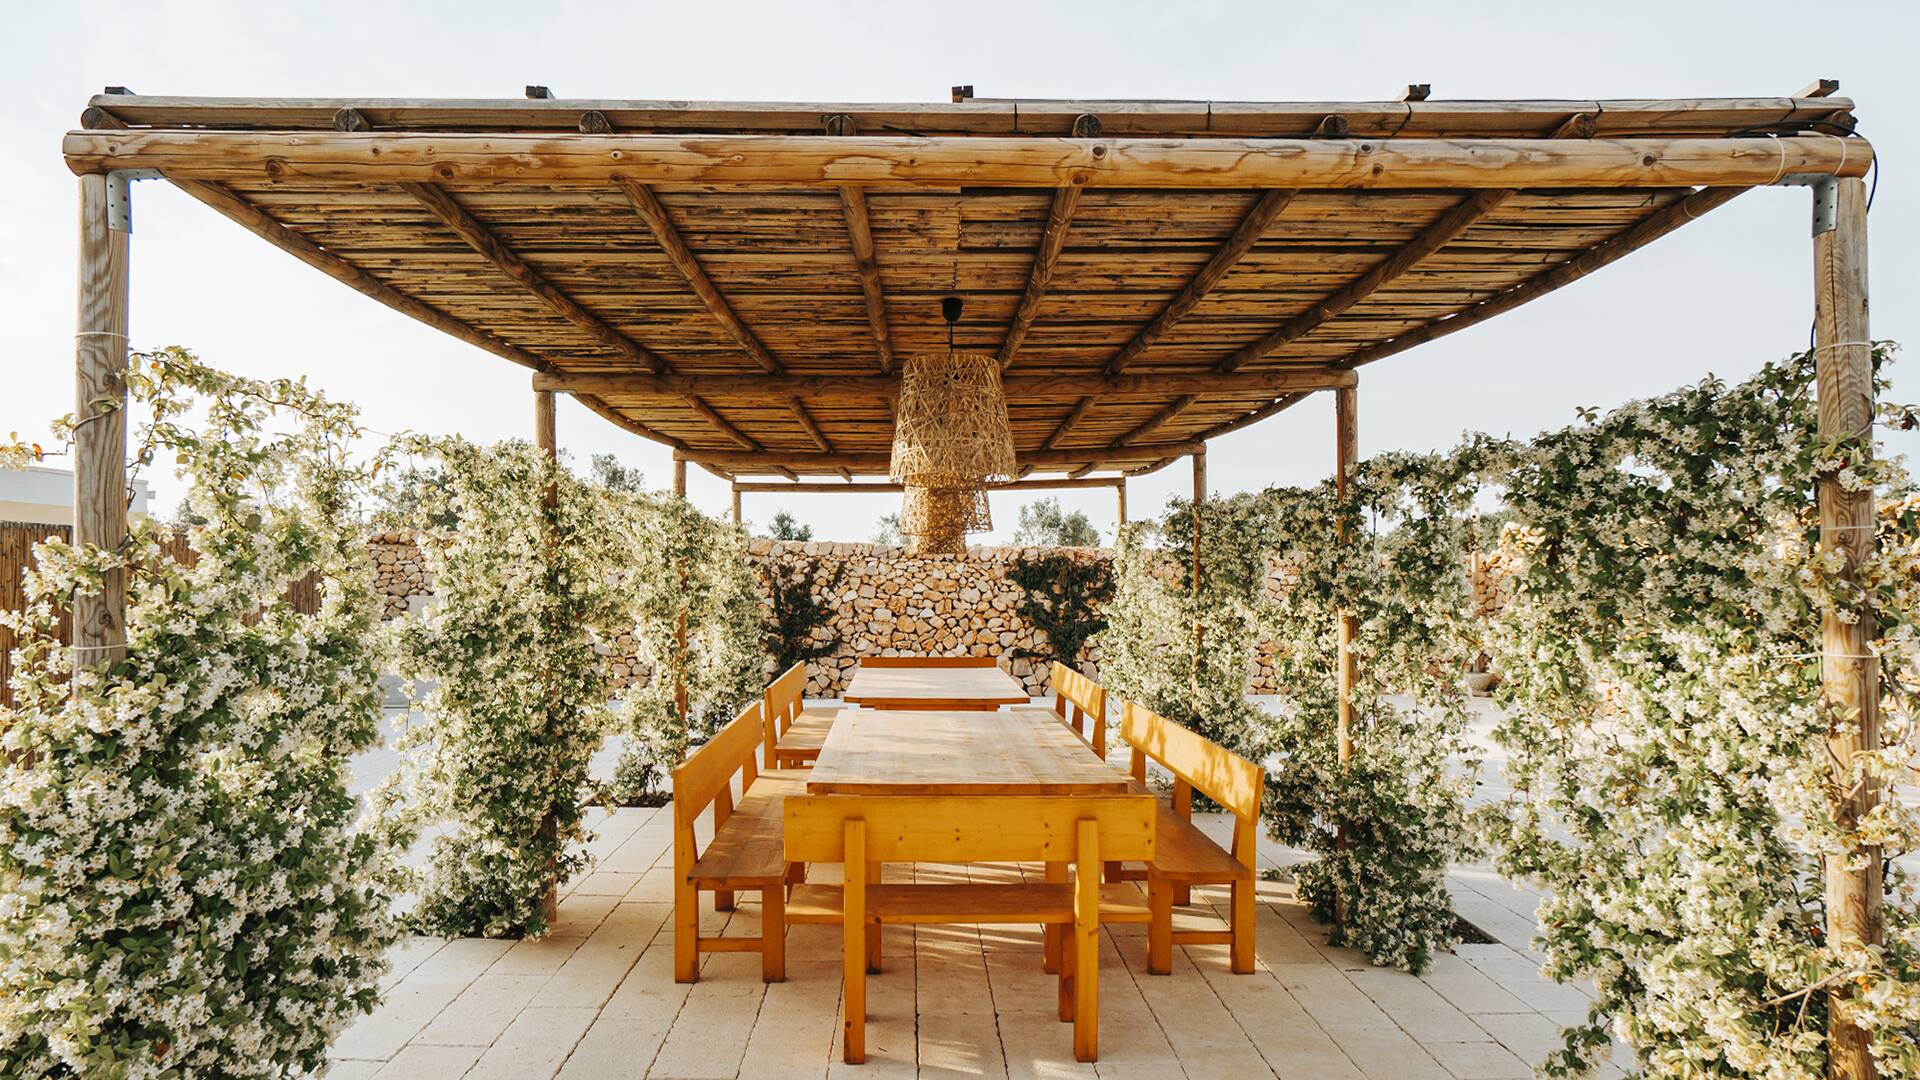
{"x":597,"y":997}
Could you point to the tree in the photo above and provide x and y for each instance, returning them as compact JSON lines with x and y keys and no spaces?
{"x":611,"y":473}
{"x":796,"y":609}
{"x":1044,"y":524}
{"x":887,"y":529}
{"x":787,"y":527}
{"x":1065,"y":597}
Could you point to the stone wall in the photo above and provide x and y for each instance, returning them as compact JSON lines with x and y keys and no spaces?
{"x":889,"y":603}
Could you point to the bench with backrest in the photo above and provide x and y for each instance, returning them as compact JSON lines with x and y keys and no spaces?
{"x":793,"y":732}
{"x":861,"y":831}
{"x":1184,"y":856}
{"x":744,"y":852}
{"x":1081,"y":704}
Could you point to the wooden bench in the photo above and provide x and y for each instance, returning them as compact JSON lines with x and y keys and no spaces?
{"x":928,"y":661}
{"x":862,"y":831}
{"x":745,"y":851}
{"x":1183,"y":855}
{"x":793,"y":733}
{"x":1087,"y":701}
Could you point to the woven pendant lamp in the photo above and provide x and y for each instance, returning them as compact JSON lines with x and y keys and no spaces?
{"x":951,"y":438}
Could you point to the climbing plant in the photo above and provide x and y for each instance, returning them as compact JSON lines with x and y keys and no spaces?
{"x":800,"y":608}
{"x":181,"y":891}
{"x":494,"y":757}
{"x":1065,"y":598}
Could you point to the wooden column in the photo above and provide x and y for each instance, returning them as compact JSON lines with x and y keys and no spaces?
{"x":1849,"y":673}
{"x":100,"y":412}
{"x":1120,"y":504}
{"x":547,"y":442}
{"x":1199,"y":496}
{"x":680,"y":624}
{"x":736,"y":507}
{"x":1346,"y":451}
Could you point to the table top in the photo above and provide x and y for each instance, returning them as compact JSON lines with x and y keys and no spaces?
{"x":932,"y":688}
{"x":1025,"y":751}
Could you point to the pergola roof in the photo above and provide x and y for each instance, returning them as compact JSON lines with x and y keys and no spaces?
{"x":737,"y":280}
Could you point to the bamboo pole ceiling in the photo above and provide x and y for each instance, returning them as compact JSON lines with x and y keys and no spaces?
{"x":739,"y":281}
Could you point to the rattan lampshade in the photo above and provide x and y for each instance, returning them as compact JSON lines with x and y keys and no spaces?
{"x":936,"y":521}
{"x":950,"y":427}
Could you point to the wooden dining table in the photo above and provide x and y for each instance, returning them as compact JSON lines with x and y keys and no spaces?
{"x":932,"y":686}
{"x":1020,"y":751}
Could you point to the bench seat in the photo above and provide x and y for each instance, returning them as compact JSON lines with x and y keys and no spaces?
{"x":957,"y":902}
{"x":746,"y":852}
{"x":804,"y":738}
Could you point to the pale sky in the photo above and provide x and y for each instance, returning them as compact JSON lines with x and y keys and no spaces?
{"x":1722,"y":295}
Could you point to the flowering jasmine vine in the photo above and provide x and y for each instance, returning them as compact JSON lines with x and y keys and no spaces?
{"x":181,"y":892}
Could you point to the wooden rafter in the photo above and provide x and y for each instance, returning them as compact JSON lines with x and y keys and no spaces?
{"x":1649,"y":229}
{"x":1045,"y":258}
{"x":1431,"y":239}
{"x":1157,"y":421}
{"x":860,"y":235}
{"x":870,"y":387}
{"x":712,"y":416}
{"x":1278,"y":405}
{"x":1245,"y":235}
{"x":812,"y":429}
{"x":1079,"y":413}
{"x":647,"y":205}
{"x":478,"y":237}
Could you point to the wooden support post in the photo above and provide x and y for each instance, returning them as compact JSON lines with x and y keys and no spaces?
{"x":1199,"y":496}
{"x":680,"y":624}
{"x":1346,"y":441}
{"x":1849,"y":672}
{"x":1120,"y":503}
{"x":736,"y":507}
{"x":100,"y":414}
{"x":547,"y":441}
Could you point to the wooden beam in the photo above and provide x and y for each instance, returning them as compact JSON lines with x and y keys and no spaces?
{"x":647,"y":205}
{"x":1157,"y":421}
{"x":812,"y":429}
{"x":1245,"y":235}
{"x":736,"y":506}
{"x":100,"y":416}
{"x":478,"y":237}
{"x":1084,"y":470}
{"x":869,"y":387}
{"x":1151,"y":467}
{"x":1849,"y":670}
{"x":1045,"y":258}
{"x":1649,"y":229}
{"x":867,"y":463}
{"x":679,"y":476}
{"x":1431,"y":239}
{"x":1278,"y":405}
{"x":806,"y":487}
{"x":1820,"y":88}
{"x":1079,"y":413}
{"x":712,"y":416}
{"x":860,"y":235}
{"x":532,"y":159}
{"x":1120,"y":502}
{"x":626,"y":423}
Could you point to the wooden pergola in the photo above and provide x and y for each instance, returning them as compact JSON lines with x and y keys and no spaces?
{"x":739,"y":281}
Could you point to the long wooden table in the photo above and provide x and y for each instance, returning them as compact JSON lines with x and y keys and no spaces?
{"x":932,"y":687}
{"x":1022,"y":751}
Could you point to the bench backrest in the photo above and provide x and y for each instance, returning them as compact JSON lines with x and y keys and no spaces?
{"x":1197,"y":764}
{"x":1086,"y":700}
{"x":780,"y":706}
{"x":1000,"y":828}
{"x":928,"y":661}
{"x":706,"y":778}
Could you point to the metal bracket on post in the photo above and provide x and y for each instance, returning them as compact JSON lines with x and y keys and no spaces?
{"x":120,"y":196}
{"x":1826,"y":197}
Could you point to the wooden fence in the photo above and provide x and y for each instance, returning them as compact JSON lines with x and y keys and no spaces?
{"x":17,"y":540}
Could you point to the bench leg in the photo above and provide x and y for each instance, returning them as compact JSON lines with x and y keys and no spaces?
{"x":686,"y":932}
{"x":773,"y":933}
{"x":874,"y":870}
{"x":1066,"y":980}
{"x":1052,"y":936}
{"x":1243,"y":920}
{"x":1182,"y":895}
{"x":1159,"y":926}
{"x":723,"y":900}
{"x":1111,"y":872}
